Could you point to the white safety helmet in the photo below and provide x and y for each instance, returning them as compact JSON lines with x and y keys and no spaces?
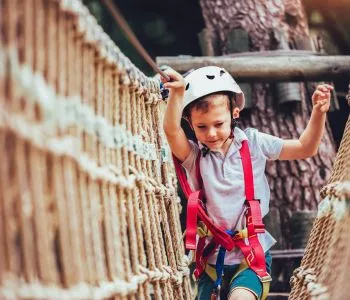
{"x":208,"y":80}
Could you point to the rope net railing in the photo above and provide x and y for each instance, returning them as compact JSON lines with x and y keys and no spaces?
{"x":323,"y":273}
{"x":88,"y":201}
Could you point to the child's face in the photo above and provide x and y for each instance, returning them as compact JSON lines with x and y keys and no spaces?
{"x":213,"y":127}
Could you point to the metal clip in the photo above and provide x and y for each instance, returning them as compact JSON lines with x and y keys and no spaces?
{"x":164,"y":92}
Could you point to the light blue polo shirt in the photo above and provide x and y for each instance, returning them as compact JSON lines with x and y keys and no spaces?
{"x":223,"y":182}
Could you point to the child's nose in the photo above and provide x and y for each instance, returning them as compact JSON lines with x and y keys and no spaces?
{"x":211,"y":132}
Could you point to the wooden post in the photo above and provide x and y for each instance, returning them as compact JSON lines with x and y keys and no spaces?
{"x":208,"y":42}
{"x":237,"y":42}
{"x":286,"y":91}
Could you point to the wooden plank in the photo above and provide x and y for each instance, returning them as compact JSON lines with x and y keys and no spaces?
{"x":269,"y":66}
{"x":237,"y":41}
{"x":208,"y":42}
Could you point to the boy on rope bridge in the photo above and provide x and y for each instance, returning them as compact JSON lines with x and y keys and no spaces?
{"x":224,"y":179}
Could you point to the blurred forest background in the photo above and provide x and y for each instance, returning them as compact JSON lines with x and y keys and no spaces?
{"x":171,"y":28}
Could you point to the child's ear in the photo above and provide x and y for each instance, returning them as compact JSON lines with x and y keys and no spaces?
{"x":235,"y":113}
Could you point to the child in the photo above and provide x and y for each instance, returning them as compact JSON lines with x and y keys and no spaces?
{"x":210,"y":100}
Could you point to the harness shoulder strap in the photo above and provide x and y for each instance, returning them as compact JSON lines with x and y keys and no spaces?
{"x":253,"y":253}
{"x":251,"y":202}
{"x":196,"y":210}
{"x":181,"y":176}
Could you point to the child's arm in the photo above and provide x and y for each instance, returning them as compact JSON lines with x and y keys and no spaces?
{"x":310,"y":139}
{"x":175,"y":135}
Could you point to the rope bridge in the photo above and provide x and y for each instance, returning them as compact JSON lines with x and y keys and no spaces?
{"x":324,"y":269}
{"x":88,"y":200}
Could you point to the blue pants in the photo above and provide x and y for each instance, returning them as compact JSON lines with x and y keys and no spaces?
{"x":247,"y":279}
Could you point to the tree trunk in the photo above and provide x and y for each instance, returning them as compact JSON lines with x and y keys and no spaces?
{"x":295,"y":185}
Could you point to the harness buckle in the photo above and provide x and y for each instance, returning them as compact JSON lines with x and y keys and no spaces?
{"x":266,"y":278}
{"x":237,"y":235}
{"x":202,"y":230}
{"x":259,"y":228}
{"x":240,"y":234}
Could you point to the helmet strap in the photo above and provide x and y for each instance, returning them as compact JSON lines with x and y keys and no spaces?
{"x":234,"y":123}
{"x":190,"y":123}
{"x":233,"y":120}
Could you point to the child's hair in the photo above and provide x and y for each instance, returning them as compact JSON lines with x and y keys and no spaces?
{"x":203,"y":103}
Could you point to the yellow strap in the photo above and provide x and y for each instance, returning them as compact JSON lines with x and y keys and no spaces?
{"x":211,"y":272}
{"x":203,"y":231}
{"x":266,"y":289}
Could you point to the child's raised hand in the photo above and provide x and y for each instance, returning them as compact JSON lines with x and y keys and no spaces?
{"x":321,"y":97}
{"x":176,"y":85}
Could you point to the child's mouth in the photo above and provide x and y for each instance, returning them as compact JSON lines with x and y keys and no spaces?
{"x":213,"y":142}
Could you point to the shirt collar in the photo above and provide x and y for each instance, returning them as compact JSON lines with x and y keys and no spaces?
{"x":239,"y":137}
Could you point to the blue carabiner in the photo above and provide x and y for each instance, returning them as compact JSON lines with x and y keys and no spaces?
{"x":163,"y":91}
{"x":219,"y":266}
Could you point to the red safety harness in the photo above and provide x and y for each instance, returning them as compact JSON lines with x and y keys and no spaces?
{"x":252,"y":251}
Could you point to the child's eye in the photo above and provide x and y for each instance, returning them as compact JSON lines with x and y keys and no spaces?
{"x":219,"y":124}
{"x":201,"y":127}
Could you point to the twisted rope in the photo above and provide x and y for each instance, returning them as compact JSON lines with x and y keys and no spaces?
{"x":88,"y":190}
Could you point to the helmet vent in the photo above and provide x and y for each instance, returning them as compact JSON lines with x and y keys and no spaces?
{"x":210,"y":76}
{"x":222,"y":72}
{"x":187,"y":86}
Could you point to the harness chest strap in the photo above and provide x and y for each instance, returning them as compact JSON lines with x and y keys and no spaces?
{"x":253,"y":252}
{"x":195,"y":210}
